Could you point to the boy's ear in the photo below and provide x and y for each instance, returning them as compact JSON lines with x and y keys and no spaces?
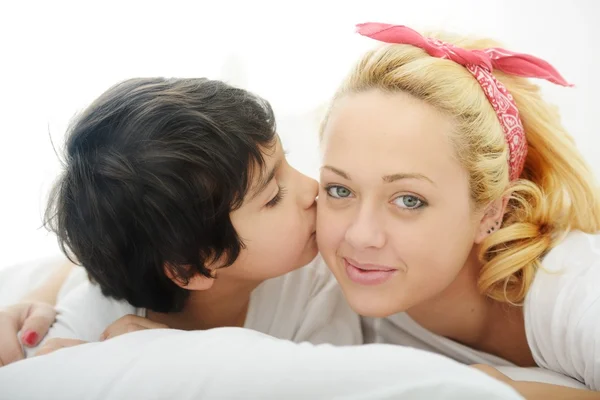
{"x":196,"y":282}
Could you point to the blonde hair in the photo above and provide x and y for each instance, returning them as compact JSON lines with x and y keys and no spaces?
{"x":556,"y":191}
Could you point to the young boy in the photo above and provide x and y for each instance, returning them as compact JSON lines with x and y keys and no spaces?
{"x":178,"y":201}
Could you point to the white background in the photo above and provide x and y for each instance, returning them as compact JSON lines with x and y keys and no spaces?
{"x":57,"y":56}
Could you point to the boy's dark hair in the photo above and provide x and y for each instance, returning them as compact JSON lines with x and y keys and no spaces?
{"x":153,"y":169}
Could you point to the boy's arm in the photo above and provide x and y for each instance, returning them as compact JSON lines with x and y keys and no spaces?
{"x":48,"y":291}
{"x":33,"y":317}
{"x":83,"y":314}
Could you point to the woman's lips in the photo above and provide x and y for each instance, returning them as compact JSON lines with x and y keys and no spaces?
{"x":367,"y":274}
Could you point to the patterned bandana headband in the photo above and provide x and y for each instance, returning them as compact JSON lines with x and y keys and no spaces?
{"x":480,"y":63}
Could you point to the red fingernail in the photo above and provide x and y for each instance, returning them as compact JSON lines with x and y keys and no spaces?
{"x":29,"y":337}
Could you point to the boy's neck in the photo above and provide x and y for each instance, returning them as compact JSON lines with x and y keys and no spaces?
{"x":224,"y":304}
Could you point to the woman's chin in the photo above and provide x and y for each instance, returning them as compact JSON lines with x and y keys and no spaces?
{"x":372,"y":306}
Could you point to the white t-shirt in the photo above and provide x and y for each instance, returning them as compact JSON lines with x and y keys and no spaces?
{"x":562,"y":317}
{"x":305,"y":305}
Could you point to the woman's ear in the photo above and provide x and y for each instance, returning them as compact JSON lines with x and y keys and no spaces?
{"x":196,"y":282}
{"x":492,"y":219}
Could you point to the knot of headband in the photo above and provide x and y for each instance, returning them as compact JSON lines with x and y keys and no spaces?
{"x":481,"y":63}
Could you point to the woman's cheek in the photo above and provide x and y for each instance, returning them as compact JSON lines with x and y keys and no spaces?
{"x":328,"y":232}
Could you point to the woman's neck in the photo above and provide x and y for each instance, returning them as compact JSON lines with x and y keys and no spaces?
{"x":463,"y":314}
{"x":226,"y":303}
{"x":460,"y":312}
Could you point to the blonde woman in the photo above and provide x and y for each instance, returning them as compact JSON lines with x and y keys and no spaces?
{"x":455,"y":208}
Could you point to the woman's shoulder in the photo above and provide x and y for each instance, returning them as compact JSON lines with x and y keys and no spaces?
{"x":562,"y":308}
{"x":571,"y":269}
{"x":576,"y":252}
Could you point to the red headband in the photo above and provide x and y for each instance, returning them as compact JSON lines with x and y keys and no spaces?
{"x":480,"y":63}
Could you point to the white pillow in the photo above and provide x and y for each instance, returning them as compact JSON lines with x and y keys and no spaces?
{"x":231,"y":363}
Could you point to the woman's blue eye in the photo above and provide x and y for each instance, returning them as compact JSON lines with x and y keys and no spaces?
{"x":408,"y":202}
{"x":338,"y":192}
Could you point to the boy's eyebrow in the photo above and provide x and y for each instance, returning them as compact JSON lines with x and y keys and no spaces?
{"x":262,"y":185}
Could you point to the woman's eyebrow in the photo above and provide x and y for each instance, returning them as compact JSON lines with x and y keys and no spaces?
{"x":400,"y":176}
{"x":337,"y":172}
{"x":387,"y":178}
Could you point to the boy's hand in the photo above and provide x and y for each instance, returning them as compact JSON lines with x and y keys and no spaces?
{"x":32,"y":319}
{"x":57,"y":344}
{"x":129,"y":323}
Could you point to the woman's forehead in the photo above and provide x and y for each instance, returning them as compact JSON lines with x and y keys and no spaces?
{"x":374,"y":135}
